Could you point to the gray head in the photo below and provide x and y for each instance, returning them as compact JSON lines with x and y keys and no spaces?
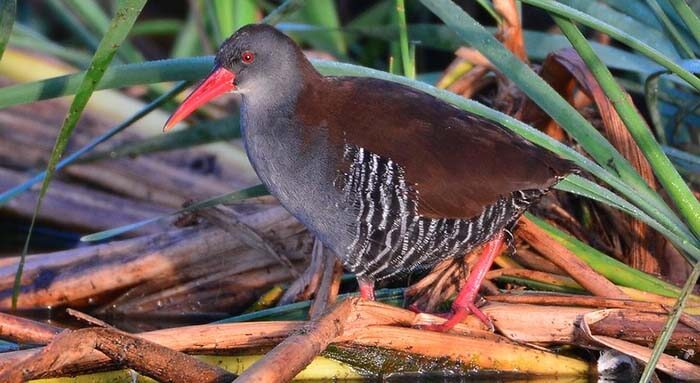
{"x":258,"y":61}
{"x":263,"y":59}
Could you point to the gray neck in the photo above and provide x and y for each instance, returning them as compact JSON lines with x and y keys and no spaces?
{"x":271,"y":95}
{"x":267,"y":107}
{"x":279,"y":89}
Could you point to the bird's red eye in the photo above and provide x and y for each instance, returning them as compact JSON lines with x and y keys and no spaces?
{"x":247,"y":57}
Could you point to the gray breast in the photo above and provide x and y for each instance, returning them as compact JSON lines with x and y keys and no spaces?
{"x":298,"y":173}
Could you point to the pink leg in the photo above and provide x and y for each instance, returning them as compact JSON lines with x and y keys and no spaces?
{"x":366,"y":288}
{"x":464,"y":303}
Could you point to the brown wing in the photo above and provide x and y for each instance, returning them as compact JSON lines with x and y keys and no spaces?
{"x":457,"y":162}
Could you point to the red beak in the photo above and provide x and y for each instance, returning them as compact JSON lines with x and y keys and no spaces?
{"x":219,"y":81}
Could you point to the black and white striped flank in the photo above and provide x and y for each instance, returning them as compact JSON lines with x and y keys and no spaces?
{"x":391,"y":238}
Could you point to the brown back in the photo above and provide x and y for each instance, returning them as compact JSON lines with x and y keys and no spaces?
{"x":457,"y":162}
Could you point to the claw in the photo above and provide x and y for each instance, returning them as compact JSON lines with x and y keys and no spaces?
{"x":458,"y":315}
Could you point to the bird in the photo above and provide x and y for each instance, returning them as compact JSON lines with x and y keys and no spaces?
{"x":390,"y":178}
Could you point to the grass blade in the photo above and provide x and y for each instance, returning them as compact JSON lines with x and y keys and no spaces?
{"x":8,"y":10}
{"x":488,"y":7}
{"x":684,"y":199}
{"x":188,"y":69}
{"x":547,"y":98}
{"x":231,"y":15}
{"x":604,"y":13}
{"x":612,"y":269}
{"x":688,"y":162}
{"x":29,"y":39}
{"x":583,"y":187}
{"x":377,"y":14}
{"x":157,"y":27}
{"x":187,"y":40}
{"x":689,"y":17}
{"x":8,"y":195}
{"x":440,"y":37}
{"x":409,"y":69}
{"x":192,"y":68}
{"x":117,"y":32}
{"x":224,"y":17}
{"x":92,"y":14}
{"x":674,"y":317}
{"x":664,"y":170}
{"x":198,"y":134}
{"x":72,"y":23}
{"x":299,"y":310}
{"x":651,"y":96}
{"x":324,"y":13}
{"x":285,"y":9}
{"x":636,"y":10}
{"x":681,"y":44}
{"x":617,"y":34}
{"x":244,"y":12}
{"x":251,"y":192}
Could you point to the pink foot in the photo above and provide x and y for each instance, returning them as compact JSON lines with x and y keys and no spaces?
{"x":464,"y":303}
{"x":366,"y":288}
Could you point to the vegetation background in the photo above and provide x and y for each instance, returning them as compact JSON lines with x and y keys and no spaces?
{"x":144,"y":229}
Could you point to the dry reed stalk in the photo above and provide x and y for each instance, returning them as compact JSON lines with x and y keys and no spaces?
{"x":328,"y":289}
{"x":535,"y":324}
{"x":363,"y":318}
{"x":165,"y":184}
{"x":510,"y":31}
{"x":644,"y":242}
{"x":534,"y":261}
{"x":431,"y":278}
{"x":334,"y":288}
{"x":286,"y":360}
{"x":689,"y":321}
{"x":641,"y":327}
{"x":562,"y":281}
{"x":110,"y":106}
{"x":22,"y":330}
{"x":450,"y":281}
{"x":169,"y":181}
{"x":567,"y":261}
{"x":150,"y":359}
{"x":77,"y":207}
{"x":471,"y":352}
{"x":675,"y":367}
{"x":220,"y":292}
{"x":539,"y":276}
{"x":306,"y":285}
{"x":643,"y":248}
{"x":473,"y":56}
{"x":205,"y":339}
{"x":373,"y":313}
{"x":63,"y":278}
{"x":472,"y":82}
{"x":441,"y":283}
{"x":577,"y":300}
{"x":226,"y":218}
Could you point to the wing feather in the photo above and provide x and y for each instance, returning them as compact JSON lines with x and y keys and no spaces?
{"x":456,"y":162}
